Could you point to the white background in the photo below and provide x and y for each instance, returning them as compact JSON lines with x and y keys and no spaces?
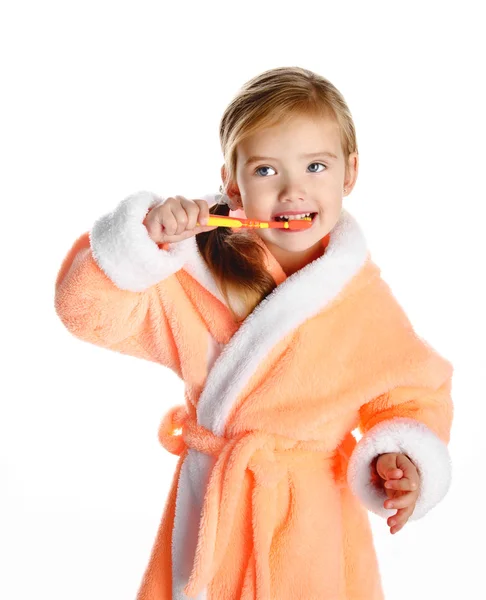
{"x":103,"y":99}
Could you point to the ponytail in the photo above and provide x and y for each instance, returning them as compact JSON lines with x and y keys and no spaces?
{"x":237,"y":264}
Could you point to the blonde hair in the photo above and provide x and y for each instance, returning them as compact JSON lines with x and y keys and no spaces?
{"x":235,"y":259}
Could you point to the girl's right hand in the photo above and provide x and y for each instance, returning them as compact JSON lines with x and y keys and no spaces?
{"x":175,"y":220}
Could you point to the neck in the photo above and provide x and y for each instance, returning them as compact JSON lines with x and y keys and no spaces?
{"x":293,"y":261}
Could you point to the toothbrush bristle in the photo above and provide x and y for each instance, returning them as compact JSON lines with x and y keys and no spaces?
{"x":300,"y":223}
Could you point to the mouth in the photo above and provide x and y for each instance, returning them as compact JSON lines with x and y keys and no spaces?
{"x":285,"y":218}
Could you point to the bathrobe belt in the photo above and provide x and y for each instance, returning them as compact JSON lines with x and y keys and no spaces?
{"x":268,"y":457}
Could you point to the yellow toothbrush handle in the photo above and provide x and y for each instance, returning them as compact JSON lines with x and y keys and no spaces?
{"x":215,"y":220}
{"x":223,"y":221}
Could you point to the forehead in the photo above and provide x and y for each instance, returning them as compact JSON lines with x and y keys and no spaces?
{"x":295,"y":135}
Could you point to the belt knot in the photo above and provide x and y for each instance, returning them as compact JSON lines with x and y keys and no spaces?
{"x":179,"y":430}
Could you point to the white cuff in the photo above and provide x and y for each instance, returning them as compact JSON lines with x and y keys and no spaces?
{"x":123,"y":249}
{"x":425,"y":449}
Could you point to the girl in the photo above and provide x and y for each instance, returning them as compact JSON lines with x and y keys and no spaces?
{"x":287,"y":341}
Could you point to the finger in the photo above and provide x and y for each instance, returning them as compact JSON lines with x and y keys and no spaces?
{"x":180,"y":214}
{"x":400,"y":519}
{"x":192,"y":212}
{"x":395,"y":493}
{"x":404,"y":514}
{"x":167,"y":220}
{"x":401,"y":516}
{"x":396,"y":528}
{"x":409,"y":469}
{"x":171,"y":239}
{"x":387,"y":468}
{"x":198,"y":213}
{"x":401,"y":484}
{"x":392,"y":473}
{"x":189,"y":233}
{"x":401,"y":501}
{"x":203,"y":211}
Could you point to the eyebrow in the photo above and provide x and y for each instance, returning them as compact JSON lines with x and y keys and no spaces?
{"x":253,"y":159}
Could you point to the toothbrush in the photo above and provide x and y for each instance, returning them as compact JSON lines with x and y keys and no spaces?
{"x":221,"y":221}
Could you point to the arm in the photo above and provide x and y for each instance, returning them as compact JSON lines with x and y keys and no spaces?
{"x":410,"y":421}
{"x":115,"y":285}
{"x":411,"y":415}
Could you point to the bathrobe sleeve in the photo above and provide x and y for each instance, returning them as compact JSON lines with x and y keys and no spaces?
{"x":114,"y":285}
{"x":412,"y":413}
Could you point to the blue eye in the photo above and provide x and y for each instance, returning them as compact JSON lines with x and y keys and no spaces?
{"x":322,"y":164}
{"x":259,"y":168}
{"x":318,"y":164}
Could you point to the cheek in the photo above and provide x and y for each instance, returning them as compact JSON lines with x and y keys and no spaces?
{"x":256,"y":210}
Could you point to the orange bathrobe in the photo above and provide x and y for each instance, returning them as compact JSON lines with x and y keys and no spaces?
{"x":270,"y":496}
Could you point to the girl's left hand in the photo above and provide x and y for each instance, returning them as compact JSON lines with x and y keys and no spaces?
{"x":402,"y":485}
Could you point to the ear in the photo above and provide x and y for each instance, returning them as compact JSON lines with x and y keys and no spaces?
{"x":233,"y":190}
{"x":351,"y":172}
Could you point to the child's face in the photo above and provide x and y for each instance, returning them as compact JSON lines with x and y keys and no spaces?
{"x":289,"y":182}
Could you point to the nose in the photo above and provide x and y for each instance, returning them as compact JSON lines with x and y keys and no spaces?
{"x":291,"y":193}
{"x":292,"y":188}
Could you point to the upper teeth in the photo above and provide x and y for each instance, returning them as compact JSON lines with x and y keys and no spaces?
{"x":290,"y":217}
